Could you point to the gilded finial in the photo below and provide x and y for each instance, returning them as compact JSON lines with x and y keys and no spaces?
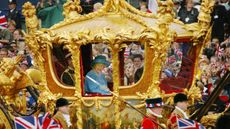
{"x":29,"y":11}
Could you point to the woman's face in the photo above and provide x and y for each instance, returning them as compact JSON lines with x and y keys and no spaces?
{"x":16,"y":34}
{"x":11,"y":28}
{"x":129,"y":70}
{"x":100,"y":67}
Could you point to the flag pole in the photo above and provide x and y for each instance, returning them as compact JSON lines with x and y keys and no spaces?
{"x":123,"y":100}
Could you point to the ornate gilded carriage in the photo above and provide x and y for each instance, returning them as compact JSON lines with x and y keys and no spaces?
{"x":115,"y":24}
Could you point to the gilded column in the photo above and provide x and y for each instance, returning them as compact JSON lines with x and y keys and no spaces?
{"x":74,"y":48}
{"x":161,"y":43}
{"x":116,"y":83}
{"x":76,"y":62}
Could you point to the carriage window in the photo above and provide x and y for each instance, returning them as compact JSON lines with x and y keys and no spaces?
{"x":132,"y":68}
{"x":97,"y":69}
{"x":63,"y":66}
{"x":177,"y":71}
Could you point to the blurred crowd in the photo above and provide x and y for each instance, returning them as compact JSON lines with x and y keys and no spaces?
{"x":213,"y":64}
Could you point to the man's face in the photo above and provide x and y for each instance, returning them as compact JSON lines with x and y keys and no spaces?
{"x":157,"y":110}
{"x":190,"y":4}
{"x":183,"y":105}
{"x":137,"y":62}
{"x":3,"y":54}
{"x":70,"y":63}
{"x":64,"y":109}
{"x":12,"y":6}
{"x":11,"y":28}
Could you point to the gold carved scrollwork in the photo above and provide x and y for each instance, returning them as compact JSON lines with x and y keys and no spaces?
{"x":72,"y":9}
{"x":201,"y":35}
{"x":37,"y":43}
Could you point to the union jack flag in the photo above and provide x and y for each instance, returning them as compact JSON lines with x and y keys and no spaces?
{"x":26,"y":122}
{"x":3,"y":20}
{"x":219,"y":51}
{"x":41,"y":122}
{"x":188,"y":124}
{"x":46,"y":122}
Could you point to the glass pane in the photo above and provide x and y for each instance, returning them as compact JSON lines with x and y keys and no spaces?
{"x":177,"y":71}
{"x":63,"y":66}
{"x":133,"y":64}
{"x":98,"y":75}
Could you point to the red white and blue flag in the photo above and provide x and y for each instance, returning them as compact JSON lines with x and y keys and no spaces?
{"x":3,"y":20}
{"x":41,"y":122}
{"x":45,"y":122}
{"x":188,"y":124}
{"x":26,"y":122}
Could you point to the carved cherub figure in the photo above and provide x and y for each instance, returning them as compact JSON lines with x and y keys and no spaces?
{"x":29,"y":12}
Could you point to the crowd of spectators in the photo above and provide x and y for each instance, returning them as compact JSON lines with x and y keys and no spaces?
{"x":214,"y":63}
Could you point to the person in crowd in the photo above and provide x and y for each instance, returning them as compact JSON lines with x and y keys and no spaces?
{"x":166,"y":73}
{"x":154,"y":107}
{"x":181,"y":105}
{"x":52,"y":14}
{"x":136,"y":49}
{"x":24,"y":65}
{"x":44,"y":4}
{"x":95,"y":81}
{"x":218,"y":19}
{"x":226,"y":4}
{"x":5,"y":36}
{"x":138,"y":64}
{"x":129,"y":74}
{"x":19,"y":40}
{"x":11,"y":26}
{"x":143,"y":6}
{"x":188,"y":14}
{"x":13,"y":14}
{"x":67,"y":76}
{"x":12,"y":50}
{"x":61,"y":114}
{"x":197,"y":4}
{"x":3,"y":53}
{"x":176,"y":7}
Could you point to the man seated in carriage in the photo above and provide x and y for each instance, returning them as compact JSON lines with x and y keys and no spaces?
{"x":95,"y":81}
{"x":67,"y":76}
